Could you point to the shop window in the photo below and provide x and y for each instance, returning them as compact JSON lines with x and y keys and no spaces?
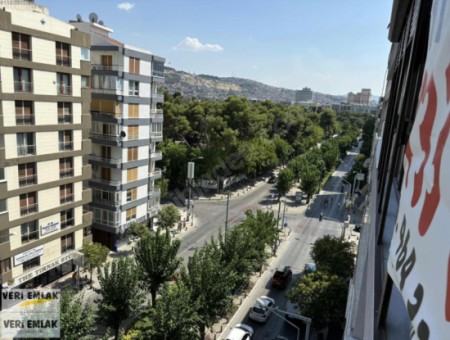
{"x":5,"y":266}
{"x":30,"y":264}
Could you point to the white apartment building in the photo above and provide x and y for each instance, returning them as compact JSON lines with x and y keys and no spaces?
{"x":126,"y":125}
{"x":44,"y":122}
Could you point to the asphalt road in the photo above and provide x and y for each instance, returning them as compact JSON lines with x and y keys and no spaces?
{"x":295,"y":253}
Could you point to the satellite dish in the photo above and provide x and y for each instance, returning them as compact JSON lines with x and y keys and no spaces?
{"x":101,"y":23}
{"x":79,"y":18}
{"x":93,"y":17}
{"x":123,"y":134}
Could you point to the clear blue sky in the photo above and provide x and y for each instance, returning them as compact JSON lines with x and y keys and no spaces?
{"x":331,"y":46}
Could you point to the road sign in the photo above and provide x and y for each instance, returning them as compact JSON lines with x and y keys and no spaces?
{"x":298,"y":196}
{"x":285,"y":225}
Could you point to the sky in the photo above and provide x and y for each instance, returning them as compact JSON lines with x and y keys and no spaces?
{"x":331,"y":46}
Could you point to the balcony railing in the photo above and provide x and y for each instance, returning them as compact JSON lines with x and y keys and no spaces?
{"x":158,"y":73}
{"x":26,"y":150}
{"x":33,"y":236}
{"x":67,"y":223}
{"x":106,"y":160}
{"x":65,"y":249}
{"x":105,"y":114}
{"x":63,"y":60}
{"x":103,"y":136}
{"x":155,"y":154}
{"x":106,"y":202}
{"x":154,"y":190}
{"x":155,"y":134}
{"x":28,"y":180}
{"x":106,"y":67}
{"x":158,"y":95}
{"x":65,"y":119}
{"x":107,"y":91}
{"x":154,"y":208}
{"x":4,"y":238}
{"x":105,"y":222}
{"x":63,"y":173}
{"x":29,"y":209}
{"x":24,"y":119}
{"x":133,"y":136}
{"x":64,"y":90}
{"x":21,"y":86}
{"x":65,"y":146}
{"x":21,"y":53}
{"x":155,"y":172}
{"x":154,"y":114}
{"x":66,"y":199}
{"x":106,"y":181}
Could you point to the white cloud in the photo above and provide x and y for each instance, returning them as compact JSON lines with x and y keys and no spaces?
{"x":125,"y":6}
{"x":194,"y":45}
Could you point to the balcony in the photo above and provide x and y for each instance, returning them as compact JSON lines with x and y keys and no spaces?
{"x":156,"y":189}
{"x":158,"y":94}
{"x":64,"y":90}
{"x":105,"y":114}
{"x":106,"y":202}
{"x":64,"y":173}
{"x":21,"y":53}
{"x":106,"y":67}
{"x":154,"y":209}
{"x":29,"y":209}
{"x":156,"y":113}
{"x":26,"y":150}
{"x":155,"y":172}
{"x":65,"y":146}
{"x":33,"y":236}
{"x":106,"y":160}
{"x":113,"y":224}
{"x":67,"y":223}
{"x":23,"y":87}
{"x":65,"y":119}
{"x":63,"y":61}
{"x":25,"y":120}
{"x":105,"y":181}
{"x":66,"y":199}
{"x":107,"y":91}
{"x":28,"y":180}
{"x":155,"y":154}
{"x":158,"y":74}
{"x":133,"y":136}
{"x":4,"y":238}
{"x":65,"y":249}
{"x":156,"y":134}
{"x":96,"y":135}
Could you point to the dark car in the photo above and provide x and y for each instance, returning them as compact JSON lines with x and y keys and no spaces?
{"x":273,"y":179}
{"x":282,"y":277}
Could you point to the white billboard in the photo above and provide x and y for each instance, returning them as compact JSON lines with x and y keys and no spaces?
{"x":28,"y":255}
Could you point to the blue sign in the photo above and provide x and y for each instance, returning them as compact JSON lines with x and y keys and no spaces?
{"x":285,"y":225}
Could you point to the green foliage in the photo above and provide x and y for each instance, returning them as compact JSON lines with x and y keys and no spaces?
{"x":168,"y":216}
{"x":138,"y":230}
{"x":368,"y":130}
{"x":328,"y":122}
{"x":309,"y":177}
{"x":321,"y":297}
{"x":282,"y":149}
{"x":163,"y":185}
{"x":120,"y":292}
{"x":157,"y":257}
{"x":95,"y":254}
{"x":284,"y":182}
{"x":334,"y":255}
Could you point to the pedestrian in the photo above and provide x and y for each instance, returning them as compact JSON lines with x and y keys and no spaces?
{"x":184,"y":223}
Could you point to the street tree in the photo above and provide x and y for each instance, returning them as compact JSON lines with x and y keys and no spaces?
{"x":157,"y":257}
{"x":95,"y":254}
{"x":334,"y":255}
{"x":138,"y":230}
{"x":309,"y":177}
{"x":296,"y":166}
{"x":282,"y":149}
{"x":168,"y":216}
{"x":163,"y":185}
{"x":321,"y":297}
{"x":284,"y":183}
{"x":328,"y":121}
{"x":120,"y":292}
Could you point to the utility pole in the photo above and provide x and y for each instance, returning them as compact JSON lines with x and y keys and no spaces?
{"x":284,"y":212}
{"x":321,"y":174}
{"x":226,"y":218}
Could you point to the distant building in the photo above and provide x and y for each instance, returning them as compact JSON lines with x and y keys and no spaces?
{"x":344,"y":106}
{"x":304,"y":95}
{"x":362,"y":97}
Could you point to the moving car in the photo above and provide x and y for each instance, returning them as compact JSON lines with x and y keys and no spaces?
{"x":282,"y":277}
{"x":259,"y":313}
{"x":240,"y":332}
{"x":273,"y":179}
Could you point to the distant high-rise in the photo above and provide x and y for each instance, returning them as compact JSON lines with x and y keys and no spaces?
{"x":362,"y":97}
{"x":304,"y":95}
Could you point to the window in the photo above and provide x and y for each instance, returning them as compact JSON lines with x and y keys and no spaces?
{"x":67,"y":243}
{"x":85,"y":81}
{"x":29,"y":232}
{"x":3,"y":207}
{"x":24,"y":112}
{"x":25,"y":144}
{"x":107,"y":61}
{"x":63,"y":54}
{"x":158,"y":69}
{"x":157,"y":127}
{"x":133,"y":110}
{"x":87,"y":231}
{"x":106,"y":174}
{"x":131,"y":214}
{"x":28,"y":203}
{"x":21,"y":46}
{"x":65,"y":140}
{"x":2,"y":175}
{"x":5,"y":266}
{"x":131,"y":194}
{"x":65,"y":167}
{"x":30,"y":264}
{"x":85,"y":54}
{"x":105,"y":217}
{"x":106,"y":197}
{"x":64,"y":113}
{"x":132,"y":175}
{"x":106,"y":152}
{"x":27,"y":174}
{"x":134,"y":65}
{"x":133,"y":154}
{"x":66,"y":193}
{"x":133,"y":132}
{"x":67,"y":219}
{"x":133,"y":88}
{"x":63,"y":84}
{"x":22,"y":80}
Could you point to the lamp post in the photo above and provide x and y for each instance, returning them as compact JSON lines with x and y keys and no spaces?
{"x":190,"y":175}
{"x":284,"y":212}
{"x":295,"y":316}
{"x":348,"y":184}
{"x":342,"y":224}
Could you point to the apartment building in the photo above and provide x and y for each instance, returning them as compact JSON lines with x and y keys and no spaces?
{"x":362,"y":97}
{"x":304,"y":95}
{"x":126,"y":125}
{"x":44,"y":125}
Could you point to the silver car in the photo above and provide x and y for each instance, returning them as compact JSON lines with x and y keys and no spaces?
{"x":259,"y":313}
{"x":240,"y":332}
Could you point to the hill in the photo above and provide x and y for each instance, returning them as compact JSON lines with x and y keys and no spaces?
{"x":204,"y":86}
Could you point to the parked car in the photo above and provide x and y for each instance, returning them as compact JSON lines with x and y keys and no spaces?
{"x":259,"y":313}
{"x":282,"y":277}
{"x":240,"y":332}
{"x":273,"y":179}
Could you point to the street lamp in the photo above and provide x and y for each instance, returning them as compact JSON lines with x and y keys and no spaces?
{"x":295,"y":316}
{"x":348,"y":184}
{"x":190,"y":176}
{"x":342,"y":224}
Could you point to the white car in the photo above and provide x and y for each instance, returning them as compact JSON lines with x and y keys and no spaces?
{"x":259,"y":313}
{"x":240,"y":332}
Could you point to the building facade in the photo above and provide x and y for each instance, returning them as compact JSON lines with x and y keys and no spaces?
{"x":304,"y":95}
{"x":126,"y":125}
{"x":362,"y":97}
{"x":44,"y":126}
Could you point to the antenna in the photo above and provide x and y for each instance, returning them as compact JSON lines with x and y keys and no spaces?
{"x":93,"y":17}
{"x":101,"y":23}
{"x":79,"y":18}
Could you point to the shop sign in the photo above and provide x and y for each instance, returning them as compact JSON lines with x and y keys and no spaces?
{"x":49,"y":227}
{"x":28,"y":255}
